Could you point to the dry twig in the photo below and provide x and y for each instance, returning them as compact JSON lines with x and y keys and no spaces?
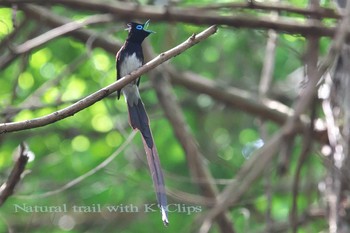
{"x":7,"y":189}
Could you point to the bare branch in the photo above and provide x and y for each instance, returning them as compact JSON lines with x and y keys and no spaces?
{"x":102,"y":93}
{"x":47,"y":17}
{"x":271,"y":6}
{"x":61,"y":30}
{"x":7,"y":189}
{"x":124,"y":10}
{"x":268,"y":6}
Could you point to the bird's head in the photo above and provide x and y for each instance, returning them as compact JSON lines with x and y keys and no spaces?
{"x":138,"y":32}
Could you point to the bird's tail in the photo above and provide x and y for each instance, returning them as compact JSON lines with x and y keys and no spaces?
{"x":138,"y":119}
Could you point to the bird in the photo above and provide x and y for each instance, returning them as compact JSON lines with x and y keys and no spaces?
{"x":130,"y":58}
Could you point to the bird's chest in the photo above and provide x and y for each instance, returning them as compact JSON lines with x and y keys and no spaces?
{"x":129,"y":63}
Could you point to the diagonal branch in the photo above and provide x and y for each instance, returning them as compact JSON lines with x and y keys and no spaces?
{"x":102,"y":93}
{"x":7,"y":189}
{"x":61,"y":30}
{"x":45,"y":16}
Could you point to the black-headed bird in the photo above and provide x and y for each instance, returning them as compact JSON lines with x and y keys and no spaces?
{"x":130,"y":58}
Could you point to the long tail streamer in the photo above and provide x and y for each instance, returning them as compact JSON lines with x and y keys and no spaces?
{"x":139,"y":120}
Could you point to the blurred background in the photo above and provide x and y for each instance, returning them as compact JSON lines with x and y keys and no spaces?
{"x":232,"y":93}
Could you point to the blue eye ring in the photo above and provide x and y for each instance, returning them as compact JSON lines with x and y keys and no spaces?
{"x":139,"y":27}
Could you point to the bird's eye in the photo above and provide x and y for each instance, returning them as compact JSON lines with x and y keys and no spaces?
{"x":139,"y":27}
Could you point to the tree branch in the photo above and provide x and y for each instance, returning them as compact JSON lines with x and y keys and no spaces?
{"x":233,"y":97}
{"x":323,"y":12}
{"x":271,"y":6}
{"x":60,"y":31}
{"x":100,"y":94}
{"x":44,"y":15}
{"x":170,"y":14}
{"x":7,"y":189}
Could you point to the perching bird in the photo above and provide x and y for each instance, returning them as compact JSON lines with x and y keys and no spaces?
{"x":130,"y":58}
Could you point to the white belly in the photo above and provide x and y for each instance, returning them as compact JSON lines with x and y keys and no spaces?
{"x":130,"y":91}
{"x":130,"y":64}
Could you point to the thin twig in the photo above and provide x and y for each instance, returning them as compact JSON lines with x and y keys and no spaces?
{"x":7,"y":189}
